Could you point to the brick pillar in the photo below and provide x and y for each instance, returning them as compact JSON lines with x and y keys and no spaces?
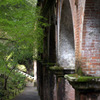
{"x":90,"y":53}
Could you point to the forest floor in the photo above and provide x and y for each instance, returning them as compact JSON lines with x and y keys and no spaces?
{"x":29,"y":93}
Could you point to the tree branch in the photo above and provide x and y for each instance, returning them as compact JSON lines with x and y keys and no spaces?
{"x":7,"y":39}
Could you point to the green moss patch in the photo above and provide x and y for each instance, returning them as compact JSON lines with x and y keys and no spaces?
{"x":79,"y":71}
{"x":78,"y":78}
{"x":56,"y":68}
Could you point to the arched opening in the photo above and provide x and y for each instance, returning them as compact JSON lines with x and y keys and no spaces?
{"x":66,"y":50}
{"x":91,"y":38}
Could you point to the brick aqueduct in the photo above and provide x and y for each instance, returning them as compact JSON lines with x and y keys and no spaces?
{"x":71,"y":46}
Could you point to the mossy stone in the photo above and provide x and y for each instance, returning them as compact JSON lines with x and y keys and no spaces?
{"x":79,"y":78}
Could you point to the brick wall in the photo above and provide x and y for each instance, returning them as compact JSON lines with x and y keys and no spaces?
{"x":77,"y":8}
{"x":91,"y":38}
{"x":77,"y":14}
{"x":76,"y":35}
{"x":86,"y":24}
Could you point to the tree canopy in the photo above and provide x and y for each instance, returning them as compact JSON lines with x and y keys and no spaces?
{"x":21,"y":35}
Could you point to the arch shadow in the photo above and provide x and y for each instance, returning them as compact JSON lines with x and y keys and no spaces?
{"x":66,"y":50}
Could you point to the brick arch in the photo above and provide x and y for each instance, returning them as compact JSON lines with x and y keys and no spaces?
{"x":66,"y":46}
{"x":91,"y":38}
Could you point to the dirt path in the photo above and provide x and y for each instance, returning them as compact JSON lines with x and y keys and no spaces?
{"x":30,"y":93}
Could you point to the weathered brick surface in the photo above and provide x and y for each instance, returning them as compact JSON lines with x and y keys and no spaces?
{"x":74,"y":6}
{"x":86,"y":26}
{"x":77,"y":8}
{"x":75,"y":25}
{"x":86,"y":22}
{"x":91,"y":39}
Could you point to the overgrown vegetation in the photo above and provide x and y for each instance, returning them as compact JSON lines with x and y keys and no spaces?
{"x":15,"y":85}
{"x":21,"y":37}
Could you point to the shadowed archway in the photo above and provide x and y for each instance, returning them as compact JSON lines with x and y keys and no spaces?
{"x":66,"y":50}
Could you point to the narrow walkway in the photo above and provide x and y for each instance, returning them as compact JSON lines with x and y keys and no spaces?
{"x":30,"y":93}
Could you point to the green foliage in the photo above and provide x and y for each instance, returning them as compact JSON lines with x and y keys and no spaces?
{"x":16,"y":83}
{"x":20,"y":32}
{"x":22,"y":67}
{"x":19,"y":26}
{"x":21,"y":37}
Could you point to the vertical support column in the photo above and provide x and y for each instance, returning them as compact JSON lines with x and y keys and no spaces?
{"x":55,"y":88}
{"x":35,"y":73}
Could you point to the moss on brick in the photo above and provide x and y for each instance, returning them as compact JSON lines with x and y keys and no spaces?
{"x":78,"y":78}
{"x":79,"y":71}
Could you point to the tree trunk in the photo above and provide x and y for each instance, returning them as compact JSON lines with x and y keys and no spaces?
{"x":5,"y":83}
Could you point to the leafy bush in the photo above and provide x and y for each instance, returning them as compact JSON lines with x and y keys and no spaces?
{"x":15,"y":84}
